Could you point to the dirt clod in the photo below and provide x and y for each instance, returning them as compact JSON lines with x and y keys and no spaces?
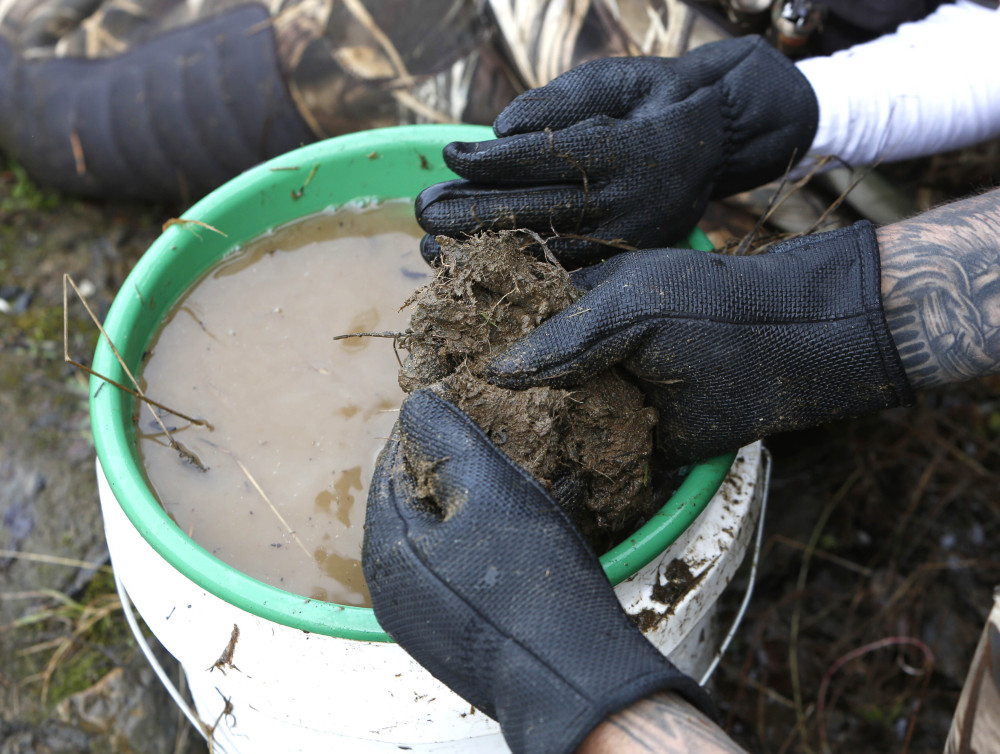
{"x":585,"y":445}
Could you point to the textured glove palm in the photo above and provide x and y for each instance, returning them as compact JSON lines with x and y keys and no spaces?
{"x":730,"y":349}
{"x":628,"y":149}
{"x":492,"y":589}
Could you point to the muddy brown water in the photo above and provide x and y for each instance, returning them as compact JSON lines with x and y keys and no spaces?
{"x":297,"y":417}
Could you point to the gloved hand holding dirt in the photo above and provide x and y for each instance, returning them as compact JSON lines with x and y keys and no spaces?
{"x":730,"y":349}
{"x":591,"y":446}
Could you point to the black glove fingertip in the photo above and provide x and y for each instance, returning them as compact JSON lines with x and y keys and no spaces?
{"x":459,"y":154}
{"x":461,"y":148}
{"x":589,"y":277}
{"x":434,"y":428}
{"x":507,"y":370}
{"x":430,"y":250}
{"x":431,"y":196}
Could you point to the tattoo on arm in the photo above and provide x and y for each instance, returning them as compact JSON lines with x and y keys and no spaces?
{"x":662,"y":723}
{"x":941,"y":290}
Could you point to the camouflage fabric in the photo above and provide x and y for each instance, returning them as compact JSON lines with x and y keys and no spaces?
{"x":356,"y":64}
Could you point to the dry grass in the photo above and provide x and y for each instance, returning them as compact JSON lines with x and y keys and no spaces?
{"x":876,"y":578}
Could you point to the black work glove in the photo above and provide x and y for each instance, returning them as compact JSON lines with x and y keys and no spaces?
{"x":729,"y":349}
{"x":628,"y":149}
{"x":489,"y":586}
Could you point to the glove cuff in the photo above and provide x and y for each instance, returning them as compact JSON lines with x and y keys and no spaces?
{"x":770,"y":115}
{"x":563,"y":735}
{"x":900,"y":393}
{"x":635,"y":689}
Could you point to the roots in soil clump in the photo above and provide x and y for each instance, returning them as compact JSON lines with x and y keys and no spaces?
{"x":590,"y":447}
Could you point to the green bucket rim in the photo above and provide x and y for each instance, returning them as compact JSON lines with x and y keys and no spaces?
{"x":368,"y":168}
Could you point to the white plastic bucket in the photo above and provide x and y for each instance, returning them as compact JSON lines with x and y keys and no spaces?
{"x":272,"y":671}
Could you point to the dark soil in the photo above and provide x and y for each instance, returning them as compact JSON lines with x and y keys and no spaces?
{"x":590,"y":446}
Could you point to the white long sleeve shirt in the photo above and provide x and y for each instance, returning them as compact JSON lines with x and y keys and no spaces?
{"x":930,"y":87}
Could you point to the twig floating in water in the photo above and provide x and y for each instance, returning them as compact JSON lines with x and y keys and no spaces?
{"x":136,"y":391}
{"x":381,"y":334}
{"x":256,"y":486}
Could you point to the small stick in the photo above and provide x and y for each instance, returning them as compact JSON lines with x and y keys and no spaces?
{"x":843,"y":195}
{"x":298,"y":194}
{"x":53,"y":559}
{"x":773,"y":202}
{"x":550,"y":257}
{"x":291,"y":532}
{"x":184,"y":223}
{"x":380,"y":334}
{"x":891,"y":641}
{"x":74,"y":141}
{"x":137,"y":391}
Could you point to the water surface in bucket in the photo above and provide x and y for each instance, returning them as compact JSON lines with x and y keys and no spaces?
{"x":298,"y":418}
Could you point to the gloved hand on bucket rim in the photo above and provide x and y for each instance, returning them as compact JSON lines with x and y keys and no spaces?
{"x":490,"y":587}
{"x":627,"y":150}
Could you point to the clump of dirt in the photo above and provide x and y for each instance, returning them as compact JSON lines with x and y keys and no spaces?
{"x":590,"y":447}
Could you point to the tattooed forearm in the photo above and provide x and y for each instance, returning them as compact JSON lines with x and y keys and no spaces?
{"x":941,"y":290}
{"x":662,"y":723}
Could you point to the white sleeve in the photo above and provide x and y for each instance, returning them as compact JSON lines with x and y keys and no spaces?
{"x":931,"y":86}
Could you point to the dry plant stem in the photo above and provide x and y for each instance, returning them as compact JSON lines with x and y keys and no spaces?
{"x":53,"y":560}
{"x":583,"y":173}
{"x":89,"y":614}
{"x":891,"y":641}
{"x":81,"y":163}
{"x":794,"y":731}
{"x":136,"y":390}
{"x":256,"y":486}
{"x":823,"y":555}
{"x":840,"y":199}
{"x":772,"y":204}
{"x":793,"y":636}
{"x":209,"y":730}
{"x":186,"y":224}
{"x":911,"y":580}
{"x":616,"y":243}
{"x":920,"y":702}
{"x":385,"y":334}
{"x":380,"y":334}
{"x":302,"y":190}
{"x":549,"y":257}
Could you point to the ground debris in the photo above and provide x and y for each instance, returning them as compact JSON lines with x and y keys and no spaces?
{"x":226,"y":658}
